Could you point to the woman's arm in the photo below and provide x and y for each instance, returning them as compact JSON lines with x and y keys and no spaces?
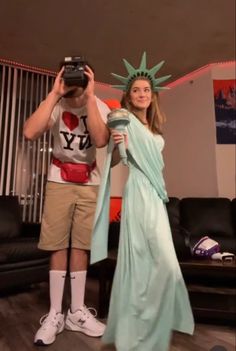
{"x":117,"y":138}
{"x":115,"y":157}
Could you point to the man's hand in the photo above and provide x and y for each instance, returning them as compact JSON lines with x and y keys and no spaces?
{"x":59,"y":87}
{"x":89,"y":91}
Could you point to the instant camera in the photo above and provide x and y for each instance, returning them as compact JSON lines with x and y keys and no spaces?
{"x":74,"y":71}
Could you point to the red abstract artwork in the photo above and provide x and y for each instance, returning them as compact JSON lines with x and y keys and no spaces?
{"x":115,"y":208}
{"x":225,"y":110}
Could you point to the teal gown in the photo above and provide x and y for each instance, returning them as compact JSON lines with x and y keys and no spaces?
{"x":149,"y":298}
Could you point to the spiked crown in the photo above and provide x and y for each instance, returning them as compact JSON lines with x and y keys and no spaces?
{"x":142,"y":71}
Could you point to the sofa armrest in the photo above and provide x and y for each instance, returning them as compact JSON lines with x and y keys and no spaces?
{"x":30,"y":229}
{"x":114,"y":235}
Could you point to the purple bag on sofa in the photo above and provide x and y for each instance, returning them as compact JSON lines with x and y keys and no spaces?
{"x":205,"y":247}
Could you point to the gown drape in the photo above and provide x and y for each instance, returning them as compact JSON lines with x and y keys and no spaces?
{"x":149,"y":298}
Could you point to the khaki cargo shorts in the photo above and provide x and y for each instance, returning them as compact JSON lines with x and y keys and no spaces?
{"x":68,"y":216}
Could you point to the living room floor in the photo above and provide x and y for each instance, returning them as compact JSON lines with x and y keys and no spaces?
{"x":21,"y":311}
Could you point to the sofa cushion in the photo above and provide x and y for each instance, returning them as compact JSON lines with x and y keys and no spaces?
{"x":233,"y":208}
{"x":173,"y":210}
{"x":22,"y":249}
{"x":10,"y":217}
{"x":208,"y":216}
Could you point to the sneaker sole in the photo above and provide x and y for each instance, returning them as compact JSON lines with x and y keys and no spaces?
{"x":72,"y":327}
{"x":40,"y":342}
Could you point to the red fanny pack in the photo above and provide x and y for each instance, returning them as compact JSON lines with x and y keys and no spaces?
{"x":74,"y":172}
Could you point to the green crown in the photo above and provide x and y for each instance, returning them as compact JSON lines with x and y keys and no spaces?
{"x":142,"y":71}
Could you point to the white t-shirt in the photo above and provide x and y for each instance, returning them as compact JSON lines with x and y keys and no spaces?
{"x":71,"y":139}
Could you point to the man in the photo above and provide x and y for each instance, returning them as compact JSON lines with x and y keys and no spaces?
{"x":77,"y":119}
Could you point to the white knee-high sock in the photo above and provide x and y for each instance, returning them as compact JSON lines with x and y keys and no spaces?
{"x":56,"y":287}
{"x":77,"y":281}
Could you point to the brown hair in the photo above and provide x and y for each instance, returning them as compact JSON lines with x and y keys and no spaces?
{"x":155,"y":116}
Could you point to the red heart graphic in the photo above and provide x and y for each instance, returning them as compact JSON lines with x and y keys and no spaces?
{"x":70,"y":120}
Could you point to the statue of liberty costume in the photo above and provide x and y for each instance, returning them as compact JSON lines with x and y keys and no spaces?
{"x":149,"y":298}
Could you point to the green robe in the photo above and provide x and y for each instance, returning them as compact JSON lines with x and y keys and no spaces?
{"x":149,"y":298}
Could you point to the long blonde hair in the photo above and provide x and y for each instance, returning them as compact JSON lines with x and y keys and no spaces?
{"x":155,"y":116}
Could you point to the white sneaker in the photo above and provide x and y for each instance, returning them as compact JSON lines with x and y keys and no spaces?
{"x":84,"y":321}
{"x":51,"y":325}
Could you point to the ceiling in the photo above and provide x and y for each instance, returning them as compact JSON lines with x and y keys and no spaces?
{"x":187,"y":34}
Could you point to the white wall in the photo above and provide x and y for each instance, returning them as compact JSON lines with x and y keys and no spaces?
{"x":195,"y":164}
{"x":190,"y":156}
{"x":105,"y":91}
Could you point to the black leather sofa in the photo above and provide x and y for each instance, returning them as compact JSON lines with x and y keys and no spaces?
{"x":21,"y":262}
{"x":211,"y":284}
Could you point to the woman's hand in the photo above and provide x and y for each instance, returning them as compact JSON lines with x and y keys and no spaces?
{"x":119,"y":137}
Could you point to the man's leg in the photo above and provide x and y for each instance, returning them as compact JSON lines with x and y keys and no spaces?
{"x":54,"y":237}
{"x":54,"y":321}
{"x":78,"y":272}
{"x":81,"y":232}
{"x":57,"y":276}
{"x":79,"y":317}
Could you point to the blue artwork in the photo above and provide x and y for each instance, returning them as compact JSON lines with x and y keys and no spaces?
{"x":225,"y":111}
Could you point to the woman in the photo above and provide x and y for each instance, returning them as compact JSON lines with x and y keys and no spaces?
{"x":149,"y":298}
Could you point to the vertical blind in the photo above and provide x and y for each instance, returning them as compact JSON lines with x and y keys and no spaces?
{"x":23,"y":163}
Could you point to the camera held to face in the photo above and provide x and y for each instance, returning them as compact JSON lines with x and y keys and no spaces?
{"x":73,"y":74}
